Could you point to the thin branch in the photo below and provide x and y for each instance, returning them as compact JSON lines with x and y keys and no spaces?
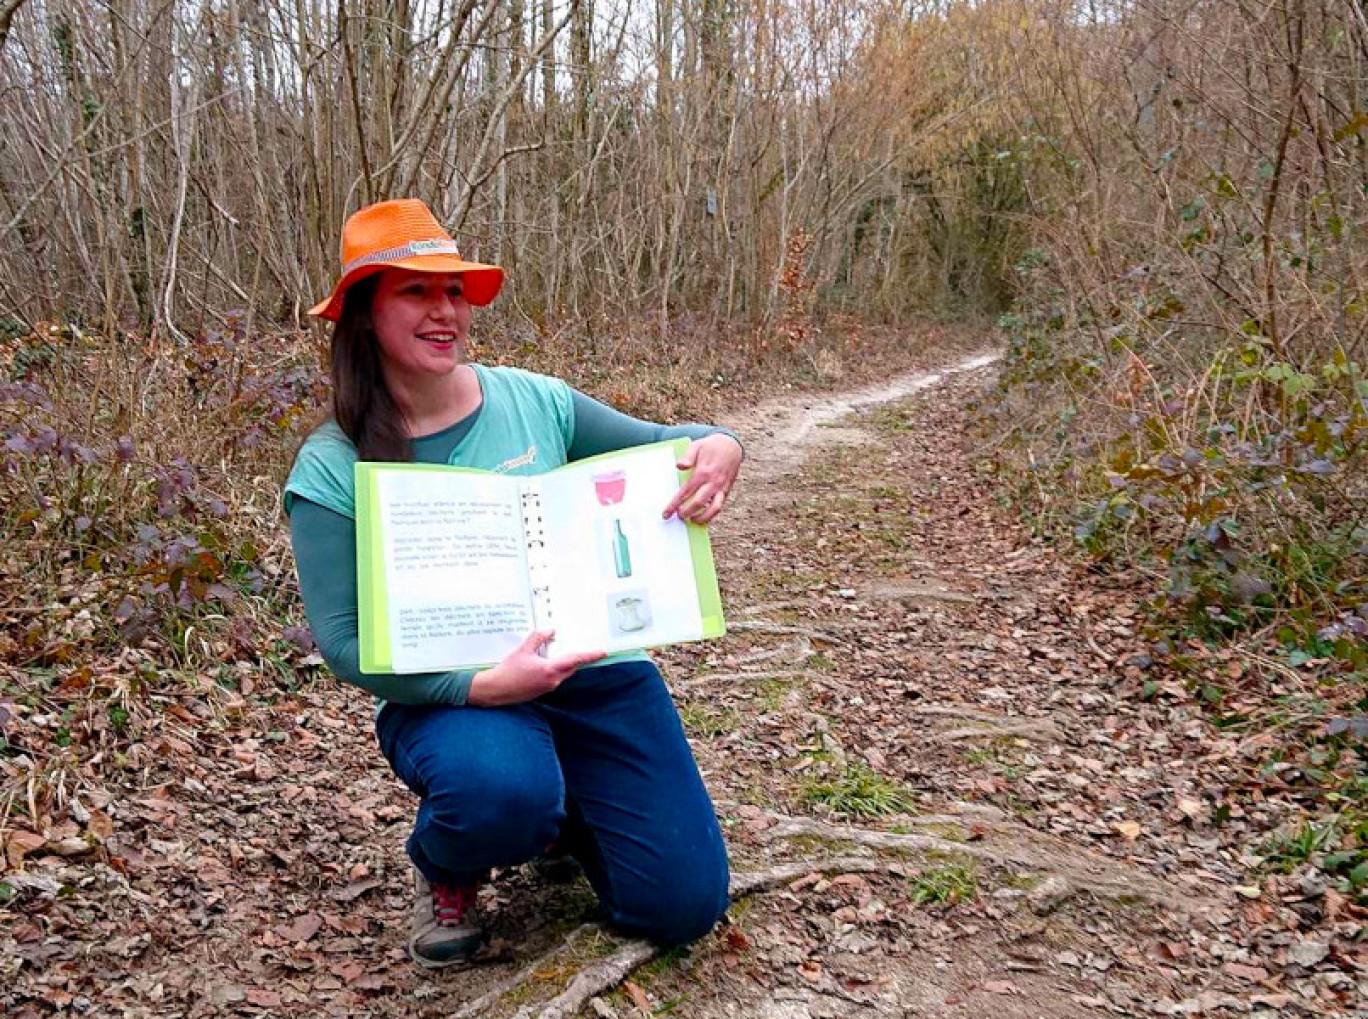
{"x":512,"y":89}
{"x":7,"y":13}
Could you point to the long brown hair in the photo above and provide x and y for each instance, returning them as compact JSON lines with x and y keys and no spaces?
{"x":363,"y":405}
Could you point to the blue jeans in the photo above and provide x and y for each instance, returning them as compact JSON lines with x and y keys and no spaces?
{"x":600,"y":762}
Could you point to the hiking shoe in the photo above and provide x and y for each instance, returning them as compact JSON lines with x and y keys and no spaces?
{"x":555,"y":865}
{"x":444,"y":930}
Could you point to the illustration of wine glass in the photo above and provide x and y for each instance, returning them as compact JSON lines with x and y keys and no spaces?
{"x":610,"y":487}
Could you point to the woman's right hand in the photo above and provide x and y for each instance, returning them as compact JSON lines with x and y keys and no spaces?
{"x":525,"y":675}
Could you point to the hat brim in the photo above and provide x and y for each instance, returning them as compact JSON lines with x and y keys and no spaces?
{"x":482,"y":282}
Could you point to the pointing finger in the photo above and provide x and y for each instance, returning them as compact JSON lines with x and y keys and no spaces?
{"x":536,"y":639}
{"x":685,"y":492}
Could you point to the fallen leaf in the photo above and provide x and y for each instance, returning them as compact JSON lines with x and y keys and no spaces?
{"x":301,"y":929}
{"x":852,"y":880}
{"x":1000,"y":987}
{"x":1128,"y":830}
{"x":73,"y":845}
{"x":349,"y":972}
{"x":1307,"y":953}
{"x":736,"y":939}
{"x":1243,"y":972}
{"x":498,"y":950}
{"x":356,"y":889}
{"x":20,"y":843}
{"x":100,"y":825}
{"x":263,"y":998}
{"x":638,"y":997}
{"x":1334,"y":904}
{"x":227,"y":994}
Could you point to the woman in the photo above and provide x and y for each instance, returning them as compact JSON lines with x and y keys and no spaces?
{"x":583,"y":751}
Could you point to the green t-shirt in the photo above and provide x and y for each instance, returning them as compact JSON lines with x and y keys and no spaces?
{"x":526,"y":424}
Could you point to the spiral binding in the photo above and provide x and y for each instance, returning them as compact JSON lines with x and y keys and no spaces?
{"x":538,"y":558}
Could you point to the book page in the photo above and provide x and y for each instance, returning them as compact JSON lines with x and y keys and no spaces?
{"x":455,"y":568}
{"x":621,"y":577}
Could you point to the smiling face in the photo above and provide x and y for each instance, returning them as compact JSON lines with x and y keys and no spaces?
{"x":421,"y":321}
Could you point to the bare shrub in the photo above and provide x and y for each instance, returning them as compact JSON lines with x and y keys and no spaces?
{"x":1186,"y":377}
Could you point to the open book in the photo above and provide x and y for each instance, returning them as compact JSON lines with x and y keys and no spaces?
{"x":455,"y":566}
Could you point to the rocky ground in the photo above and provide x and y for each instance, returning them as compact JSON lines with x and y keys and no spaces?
{"x":951,"y":783}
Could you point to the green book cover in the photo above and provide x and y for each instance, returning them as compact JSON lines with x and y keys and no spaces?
{"x":456,"y":566}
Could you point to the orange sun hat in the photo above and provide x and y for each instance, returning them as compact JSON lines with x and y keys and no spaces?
{"x":403,"y":234}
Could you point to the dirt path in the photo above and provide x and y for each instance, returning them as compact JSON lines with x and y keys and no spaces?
{"x":928,"y":744}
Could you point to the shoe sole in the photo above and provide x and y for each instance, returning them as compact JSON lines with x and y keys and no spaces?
{"x":560,"y":870}
{"x":464,"y":957}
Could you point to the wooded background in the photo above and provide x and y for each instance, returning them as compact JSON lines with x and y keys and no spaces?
{"x":171,"y":164}
{"x":1164,"y":198}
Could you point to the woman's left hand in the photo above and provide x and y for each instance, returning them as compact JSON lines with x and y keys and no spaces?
{"x":715,"y":461}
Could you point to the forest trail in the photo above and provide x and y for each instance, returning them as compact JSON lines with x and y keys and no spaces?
{"x":926,"y":738}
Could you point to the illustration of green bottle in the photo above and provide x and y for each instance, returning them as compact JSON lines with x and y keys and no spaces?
{"x":622,"y":558}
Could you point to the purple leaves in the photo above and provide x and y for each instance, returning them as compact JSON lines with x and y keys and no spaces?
{"x":43,"y":441}
{"x":300,"y":636}
{"x":174,"y":485}
{"x":1355,"y":727}
{"x":29,"y":394}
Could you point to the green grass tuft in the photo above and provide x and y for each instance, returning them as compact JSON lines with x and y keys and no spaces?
{"x":860,"y":792}
{"x":956,"y":882}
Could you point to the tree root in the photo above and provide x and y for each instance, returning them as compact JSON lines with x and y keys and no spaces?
{"x":708,"y":678}
{"x":967,"y":817}
{"x":796,"y":827}
{"x":950,"y":711}
{"x":772,"y":606}
{"x":795,"y":650}
{"x":607,"y":973}
{"x":478,"y":1007}
{"x":988,"y":724}
{"x":601,"y":976}
{"x":1036,"y":851}
{"x":1067,"y":873}
{"x":1025,"y":728}
{"x":750,"y":882}
{"x":764,"y":626}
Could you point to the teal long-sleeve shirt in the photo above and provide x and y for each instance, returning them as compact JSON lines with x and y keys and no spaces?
{"x":324,"y":544}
